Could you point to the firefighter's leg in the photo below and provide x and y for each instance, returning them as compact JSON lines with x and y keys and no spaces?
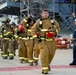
{"x":44,"y":55}
{"x":11,"y":49}
{"x":30,"y":52}
{"x":21,"y":51}
{"x":50,"y":60}
{"x":52,"y":50}
{"x":25,"y":54}
{"x":36,"y":53}
{"x":5,"y":49}
{"x":53,"y":47}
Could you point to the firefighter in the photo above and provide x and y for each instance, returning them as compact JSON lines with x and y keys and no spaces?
{"x":46,"y":30}
{"x":28,"y":23}
{"x":14,"y":29}
{"x":7,"y":38}
{"x":23,"y":34}
{"x":25,"y":22}
{"x":29,"y":41}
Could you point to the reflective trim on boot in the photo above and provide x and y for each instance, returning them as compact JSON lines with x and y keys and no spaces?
{"x":35,"y":58}
{"x":11,"y":54}
{"x":35,"y":61}
{"x":4,"y":56}
{"x":30,"y":63}
{"x":45,"y":70}
{"x":30,"y":60}
{"x":21,"y":58}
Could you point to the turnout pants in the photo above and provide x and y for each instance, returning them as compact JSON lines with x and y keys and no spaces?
{"x":29,"y":44}
{"x":11,"y":48}
{"x":8,"y":48}
{"x":36,"y":52}
{"x":22,"y":50}
{"x":5,"y":49}
{"x":47,"y":52}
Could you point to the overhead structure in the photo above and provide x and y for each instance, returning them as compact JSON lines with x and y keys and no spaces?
{"x":10,"y":8}
{"x":32,"y":7}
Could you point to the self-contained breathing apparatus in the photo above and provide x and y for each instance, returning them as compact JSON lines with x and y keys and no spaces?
{"x":50,"y":33}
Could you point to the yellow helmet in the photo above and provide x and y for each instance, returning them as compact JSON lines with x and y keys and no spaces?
{"x":7,"y":20}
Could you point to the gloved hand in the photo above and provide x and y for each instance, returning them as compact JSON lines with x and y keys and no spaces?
{"x":50,"y":34}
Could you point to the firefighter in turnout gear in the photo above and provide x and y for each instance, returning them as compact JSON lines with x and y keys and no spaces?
{"x":36,"y":50}
{"x":14,"y":29}
{"x":28,"y":23}
{"x":29,"y":42}
{"x":25,"y":41}
{"x":45,"y":30}
{"x":7,"y":38}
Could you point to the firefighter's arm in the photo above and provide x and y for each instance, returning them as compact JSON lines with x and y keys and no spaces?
{"x":1,"y":34}
{"x":26,"y":18}
{"x":24,"y":21}
{"x":8,"y":33}
{"x":57,"y":27}
{"x":35,"y":28}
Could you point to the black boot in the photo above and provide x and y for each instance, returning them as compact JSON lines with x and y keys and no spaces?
{"x":44,"y":72}
{"x":71,"y":64}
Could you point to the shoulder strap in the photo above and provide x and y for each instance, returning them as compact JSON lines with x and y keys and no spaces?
{"x":53,"y":22}
{"x":27,"y":26}
{"x":40,"y":24}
